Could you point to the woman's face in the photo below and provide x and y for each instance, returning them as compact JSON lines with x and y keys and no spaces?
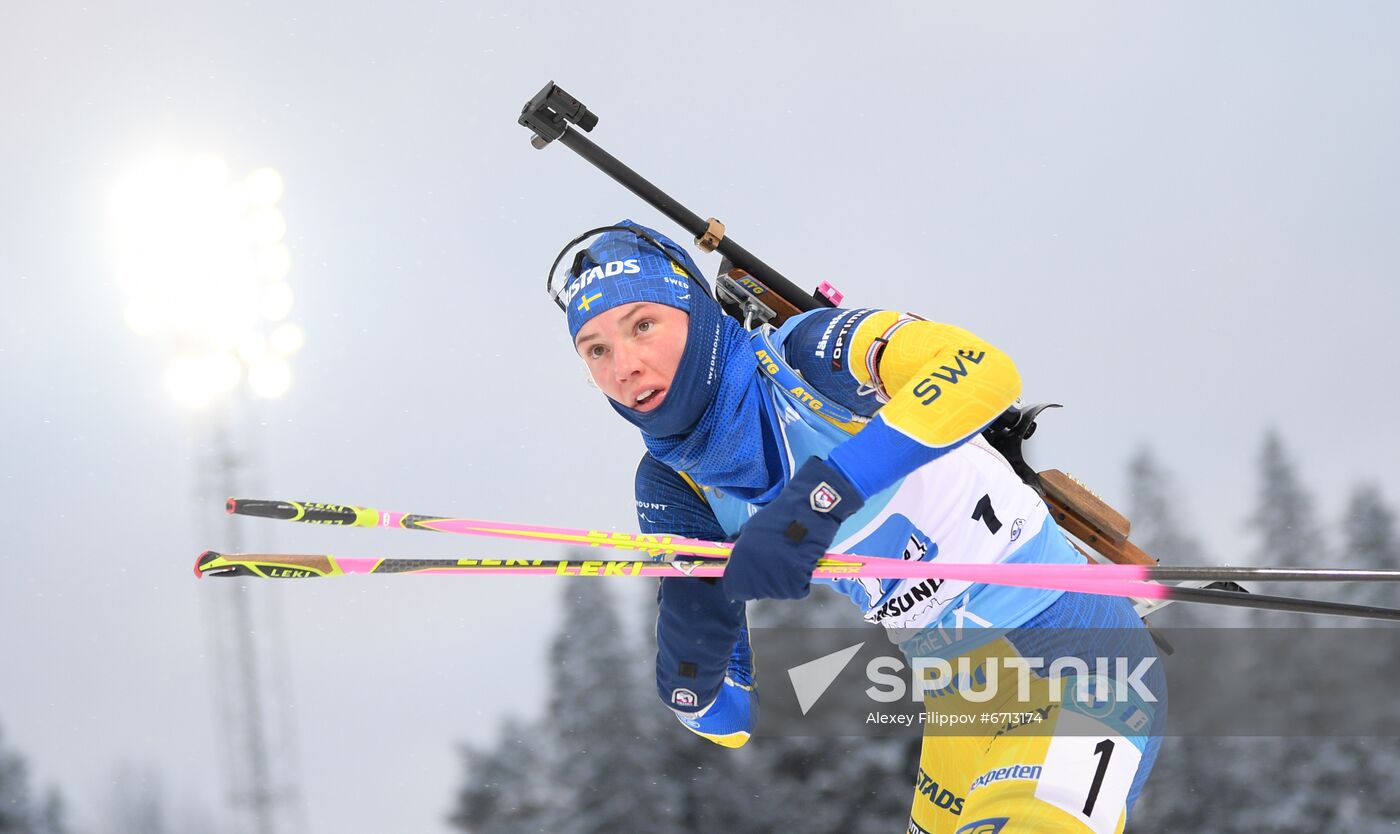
{"x":632,"y":352}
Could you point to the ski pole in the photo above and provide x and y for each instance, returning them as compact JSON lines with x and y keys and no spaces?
{"x":843,"y":566}
{"x":1137,"y":581}
{"x":342,"y":515}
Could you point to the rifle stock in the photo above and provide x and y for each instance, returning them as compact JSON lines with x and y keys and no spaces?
{"x":1090,"y":519}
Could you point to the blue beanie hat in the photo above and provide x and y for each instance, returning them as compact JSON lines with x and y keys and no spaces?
{"x":622,"y":266}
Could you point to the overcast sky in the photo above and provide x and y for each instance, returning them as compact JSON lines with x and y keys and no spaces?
{"x":1178,"y":218}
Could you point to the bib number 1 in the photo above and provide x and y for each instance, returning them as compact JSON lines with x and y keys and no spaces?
{"x":1089,"y":776}
{"x":984,"y":513}
{"x":1106,"y":748}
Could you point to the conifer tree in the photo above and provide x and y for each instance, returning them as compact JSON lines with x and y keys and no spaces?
{"x":20,"y":811}
{"x":1181,"y":794}
{"x":1368,"y":530}
{"x":776,"y":783}
{"x":50,"y":816}
{"x":14,"y":792}
{"x":505,"y":789}
{"x":1154,"y":510}
{"x":706,"y":787}
{"x":603,"y":771}
{"x":1287,"y":531}
{"x":1159,"y":529}
{"x":1311,"y":782}
{"x":1285,"y":518}
{"x":1351,"y":782}
{"x":136,"y":804}
{"x":859,"y":784}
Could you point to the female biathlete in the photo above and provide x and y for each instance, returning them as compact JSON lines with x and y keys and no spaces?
{"x":859,"y":431}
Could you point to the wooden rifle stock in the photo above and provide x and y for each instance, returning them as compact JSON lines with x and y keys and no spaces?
{"x":1090,"y":519}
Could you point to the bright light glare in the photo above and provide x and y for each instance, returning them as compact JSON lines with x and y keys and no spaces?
{"x":270,"y":377}
{"x":276,"y":302}
{"x":275,"y":262}
{"x":253,"y":347}
{"x":202,"y":261}
{"x":264,"y":186}
{"x":287,"y":339}
{"x":265,"y":225}
{"x":142,"y":318}
{"x":195,"y":380}
{"x":223,"y":370}
{"x":187,"y":383}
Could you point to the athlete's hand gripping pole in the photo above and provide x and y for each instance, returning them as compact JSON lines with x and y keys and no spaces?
{"x":779,"y":547}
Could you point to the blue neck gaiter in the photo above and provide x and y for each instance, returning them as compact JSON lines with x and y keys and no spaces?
{"x":712,"y":423}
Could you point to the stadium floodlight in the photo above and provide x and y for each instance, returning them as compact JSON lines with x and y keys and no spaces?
{"x":203,"y":262}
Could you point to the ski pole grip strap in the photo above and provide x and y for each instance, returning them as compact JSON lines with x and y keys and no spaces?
{"x":710,"y":240}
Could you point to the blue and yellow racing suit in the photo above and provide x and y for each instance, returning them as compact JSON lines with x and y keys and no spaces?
{"x":827,"y":372}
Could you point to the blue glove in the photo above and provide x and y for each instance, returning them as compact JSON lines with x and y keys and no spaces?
{"x":697,"y":631}
{"x":779,"y":546}
{"x":730,"y":717}
{"x":728,"y":721}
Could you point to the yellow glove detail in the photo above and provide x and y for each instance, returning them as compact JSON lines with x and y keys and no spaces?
{"x":731,"y":740}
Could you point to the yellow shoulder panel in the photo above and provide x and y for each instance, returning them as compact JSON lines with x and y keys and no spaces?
{"x":944,"y":383}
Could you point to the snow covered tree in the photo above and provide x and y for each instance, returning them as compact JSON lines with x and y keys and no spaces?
{"x":861,"y":785}
{"x":1159,"y":529}
{"x":1288,"y":532}
{"x":14,"y":793}
{"x":776,"y":783}
{"x":587,"y":766}
{"x":506,"y":788}
{"x":1350,"y":779}
{"x":1302,"y":783}
{"x":1368,"y":530}
{"x":1183,"y":793}
{"x":1232,"y":783}
{"x":704,"y":787}
{"x":1183,"y":764}
{"x":21,"y":812}
{"x":604,"y":767}
{"x":49,"y":817}
{"x":137,"y":803}
{"x":1153,"y":508}
{"x":603,"y":770}
{"x":1285,"y":518}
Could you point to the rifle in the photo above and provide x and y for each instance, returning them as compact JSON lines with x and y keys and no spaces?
{"x":752,"y":291}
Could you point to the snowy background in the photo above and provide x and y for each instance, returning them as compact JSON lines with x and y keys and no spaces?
{"x":1180,"y":219}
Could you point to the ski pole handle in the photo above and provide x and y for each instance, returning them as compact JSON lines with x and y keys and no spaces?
{"x":306,"y":512}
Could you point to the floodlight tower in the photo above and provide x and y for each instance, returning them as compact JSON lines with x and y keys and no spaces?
{"x":202,"y":260}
